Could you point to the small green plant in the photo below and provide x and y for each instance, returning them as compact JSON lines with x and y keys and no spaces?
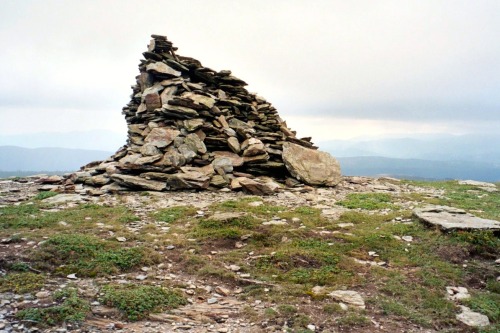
{"x":69,"y":308}
{"x":87,"y":255}
{"x":173,"y":214}
{"x":482,"y":243}
{"x":332,"y":308}
{"x":486,"y":303}
{"x":137,"y":301}
{"x":45,"y":195}
{"x":31,"y":216}
{"x":353,"y":319}
{"x":19,"y":266}
{"x":21,"y":283}
{"x":287,"y":309}
{"x":368,"y":201}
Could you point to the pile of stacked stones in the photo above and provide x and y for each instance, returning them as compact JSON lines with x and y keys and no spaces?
{"x":191,"y":127}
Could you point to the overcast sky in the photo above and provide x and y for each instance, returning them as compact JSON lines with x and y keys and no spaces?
{"x":333,"y":69}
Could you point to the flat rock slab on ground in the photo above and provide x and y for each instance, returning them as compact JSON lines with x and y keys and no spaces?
{"x":471,"y":318}
{"x":488,"y":187}
{"x":450,"y":218}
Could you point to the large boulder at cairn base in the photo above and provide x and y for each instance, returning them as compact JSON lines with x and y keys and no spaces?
{"x":194,"y":128}
{"x":310,"y":166}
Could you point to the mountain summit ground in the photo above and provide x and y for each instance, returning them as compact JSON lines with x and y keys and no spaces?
{"x":348,"y":259}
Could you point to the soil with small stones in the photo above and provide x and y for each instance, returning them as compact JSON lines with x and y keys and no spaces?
{"x":204,"y":313}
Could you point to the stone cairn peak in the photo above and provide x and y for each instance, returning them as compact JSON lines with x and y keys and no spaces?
{"x":191,"y":127}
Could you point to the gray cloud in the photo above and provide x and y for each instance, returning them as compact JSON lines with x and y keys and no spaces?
{"x":406,"y":61}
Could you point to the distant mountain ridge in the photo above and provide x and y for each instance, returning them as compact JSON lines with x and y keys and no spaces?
{"x":419,"y":169}
{"x":88,"y":140}
{"x":14,"y":159}
{"x":468,"y":148}
{"x":424,"y":157}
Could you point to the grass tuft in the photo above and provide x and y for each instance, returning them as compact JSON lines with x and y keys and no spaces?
{"x":136,"y":302}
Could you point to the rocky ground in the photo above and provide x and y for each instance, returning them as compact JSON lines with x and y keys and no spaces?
{"x":352,"y":258}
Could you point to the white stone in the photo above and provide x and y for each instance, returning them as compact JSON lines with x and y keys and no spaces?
{"x":274,"y":223}
{"x":350,"y":297}
{"x":457,"y":293}
{"x":408,"y":239}
{"x":471,"y":318}
{"x":234,"y":268}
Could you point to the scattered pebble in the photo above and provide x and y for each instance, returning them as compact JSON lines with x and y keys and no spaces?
{"x":408,"y":239}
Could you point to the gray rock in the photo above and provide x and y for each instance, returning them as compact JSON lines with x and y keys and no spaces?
{"x":222,"y":165}
{"x":234,"y":144}
{"x":350,"y":297}
{"x":311,"y":166}
{"x":162,"y":68}
{"x":457,"y":293}
{"x":193,"y":124}
{"x":98,"y":180}
{"x":258,"y":186}
{"x":200,"y":99}
{"x":476,"y":183}
{"x":138,"y":182}
{"x":180,"y":112}
{"x":253,"y":147}
{"x":450,"y":218}
{"x":63,"y":198}
{"x":161,"y":136}
{"x":187,"y":152}
{"x":188,"y":180}
{"x":168,"y":94}
{"x":130,"y":158}
{"x":235,"y":159}
{"x":471,"y":318}
{"x":148,"y":159}
{"x":113,"y":188}
{"x":149,"y":150}
{"x":195,"y":144}
{"x":218,"y":181}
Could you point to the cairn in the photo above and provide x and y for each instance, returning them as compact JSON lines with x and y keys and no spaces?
{"x":191,"y":127}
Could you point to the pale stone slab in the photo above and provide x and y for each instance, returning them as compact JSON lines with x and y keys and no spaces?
{"x":450,"y":218}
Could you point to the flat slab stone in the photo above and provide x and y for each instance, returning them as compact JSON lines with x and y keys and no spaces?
{"x":138,"y":182}
{"x":63,"y":198}
{"x":476,"y":183}
{"x":450,"y":218}
{"x":471,"y":318}
{"x":488,"y":187}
